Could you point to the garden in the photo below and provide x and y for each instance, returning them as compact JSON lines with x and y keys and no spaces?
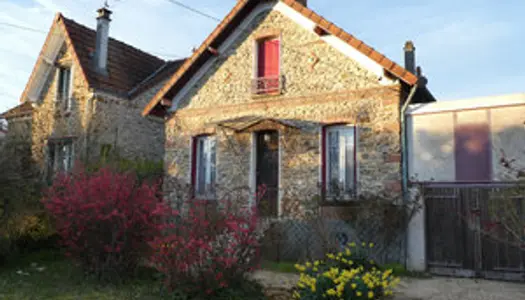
{"x":107,"y":234}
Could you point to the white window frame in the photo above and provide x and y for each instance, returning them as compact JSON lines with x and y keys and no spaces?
{"x":68,"y":163}
{"x":61,"y":88}
{"x":342,"y":158}
{"x":208,"y":140}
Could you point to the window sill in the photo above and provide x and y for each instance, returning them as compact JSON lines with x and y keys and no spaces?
{"x":267,"y":95}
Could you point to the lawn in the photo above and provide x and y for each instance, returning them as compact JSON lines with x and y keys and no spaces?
{"x":53,"y":277}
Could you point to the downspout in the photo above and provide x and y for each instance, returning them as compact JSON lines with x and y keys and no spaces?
{"x":404,"y":155}
{"x":404,"y":139}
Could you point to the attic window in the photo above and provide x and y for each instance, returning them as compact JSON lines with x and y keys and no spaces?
{"x":267,"y":68}
{"x":63,"y":93}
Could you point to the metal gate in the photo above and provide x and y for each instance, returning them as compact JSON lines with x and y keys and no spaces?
{"x":465,"y":234}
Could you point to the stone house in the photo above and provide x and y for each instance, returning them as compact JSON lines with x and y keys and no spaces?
{"x":279,"y":97}
{"x":85,"y":95}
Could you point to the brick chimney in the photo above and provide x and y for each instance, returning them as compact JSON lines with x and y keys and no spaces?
{"x":410,"y":57}
{"x":101,"y":46}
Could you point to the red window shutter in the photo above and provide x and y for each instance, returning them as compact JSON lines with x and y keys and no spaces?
{"x":268,"y":58}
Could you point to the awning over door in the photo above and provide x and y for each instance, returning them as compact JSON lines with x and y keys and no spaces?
{"x":256,"y":123}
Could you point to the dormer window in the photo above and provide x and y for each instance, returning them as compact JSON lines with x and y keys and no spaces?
{"x":63,"y":93}
{"x":267,"y":68}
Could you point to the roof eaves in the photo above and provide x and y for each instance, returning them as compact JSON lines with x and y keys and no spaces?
{"x":39,"y":58}
{"x":189,"y":62}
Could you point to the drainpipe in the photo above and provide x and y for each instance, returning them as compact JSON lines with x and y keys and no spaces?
{"x":404,"y":144}
{"x":404,"y":156}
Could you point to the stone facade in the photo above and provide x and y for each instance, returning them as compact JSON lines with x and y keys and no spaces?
{"x":94,"y":119}
{"x":322,"y":87}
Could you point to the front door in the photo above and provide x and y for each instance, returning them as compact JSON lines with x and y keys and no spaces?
{"x":267,"y":171}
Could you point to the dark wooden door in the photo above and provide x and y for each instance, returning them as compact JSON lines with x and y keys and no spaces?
{"x":267,"y":171}
{"x":463,"y":236}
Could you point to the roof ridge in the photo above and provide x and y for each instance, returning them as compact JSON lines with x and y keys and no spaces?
{"x":111,"y":38}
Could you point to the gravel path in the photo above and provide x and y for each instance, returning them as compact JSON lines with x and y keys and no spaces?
{"x":437,"y":288}
{"x":444,"y":288}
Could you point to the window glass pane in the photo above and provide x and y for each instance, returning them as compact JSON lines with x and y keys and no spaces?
{"x":206,"y":160}
{"x":212,"y":167}
{"x":350,"y":162}
{"x":201,"y":166}
{"x":60,"y":83}
{"x":340,"y":173}
{"x":69,"y":157}
{"x":333,"y":161}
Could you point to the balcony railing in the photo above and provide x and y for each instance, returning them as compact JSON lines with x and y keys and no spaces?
{"x":267,"y":85}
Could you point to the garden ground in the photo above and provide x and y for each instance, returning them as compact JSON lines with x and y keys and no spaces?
{"x":48,"y":275}
{"x":436,"y":288}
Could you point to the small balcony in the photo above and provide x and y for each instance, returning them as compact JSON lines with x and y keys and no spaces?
{"x":268,"y":85}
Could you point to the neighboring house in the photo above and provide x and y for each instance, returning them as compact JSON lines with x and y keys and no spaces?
{"x":85,"y":96}
{"x":277,"y":96}
{"x":470,"y":141}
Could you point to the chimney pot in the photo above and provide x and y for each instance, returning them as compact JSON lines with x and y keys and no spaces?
{"x":102,"y":41}
{"x":104,"y":13}
{"x":410,"y":56}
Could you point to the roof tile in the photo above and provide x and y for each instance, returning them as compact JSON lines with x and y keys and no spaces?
{"x":127,"y":65}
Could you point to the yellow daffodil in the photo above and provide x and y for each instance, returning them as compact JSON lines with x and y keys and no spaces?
{"x":354,"y":286}
{"x":371,"y":245}
{"x":331,"y":292}
{"x":370,"y":295}
{"x":359,"y":294}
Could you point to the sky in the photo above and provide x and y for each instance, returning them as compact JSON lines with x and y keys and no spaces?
{"x":467,"y":48}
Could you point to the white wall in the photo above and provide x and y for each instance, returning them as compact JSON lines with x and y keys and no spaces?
{"x":431,"y":149}
{"x":431,"y":134}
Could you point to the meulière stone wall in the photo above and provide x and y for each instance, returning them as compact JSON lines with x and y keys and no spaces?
{"x":51,"y":121}
{"x":94,"y":119}
{"x":323,"y":87}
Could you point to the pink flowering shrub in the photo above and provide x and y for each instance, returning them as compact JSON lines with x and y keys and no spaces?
{"x":105,"y":220}
{"x":209,"y":247}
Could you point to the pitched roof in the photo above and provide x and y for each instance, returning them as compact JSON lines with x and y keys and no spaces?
{"x":20,"y":110}
{"x":241,"y":10}
{"x":127,"y":66}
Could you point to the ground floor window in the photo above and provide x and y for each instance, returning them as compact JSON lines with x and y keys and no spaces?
{"x":339,"y":166}
{"x":60,"y":157}
{"x":204,"y":166}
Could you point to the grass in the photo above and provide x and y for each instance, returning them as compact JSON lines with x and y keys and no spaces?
{"x":60,"y":280}
{"x":400,"y":271}
{"x":281,"y":267}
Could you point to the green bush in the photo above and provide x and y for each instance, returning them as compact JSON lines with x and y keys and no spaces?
{"x":25,"y":232}
{"x":145,"y":170}
{"x":348,"y":275}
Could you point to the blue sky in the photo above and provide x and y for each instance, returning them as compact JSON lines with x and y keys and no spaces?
{"x":467,"y":48}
